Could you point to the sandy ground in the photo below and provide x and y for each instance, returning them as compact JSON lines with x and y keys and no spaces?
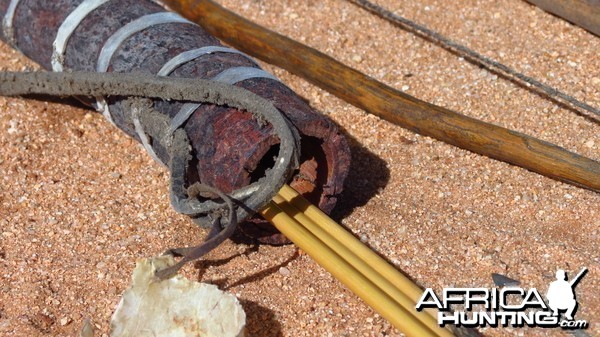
{"x":80,"y":201}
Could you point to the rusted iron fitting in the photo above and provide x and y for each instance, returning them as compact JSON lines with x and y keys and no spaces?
{"x":230,"y":148}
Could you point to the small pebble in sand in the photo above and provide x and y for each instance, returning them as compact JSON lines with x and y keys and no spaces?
{"x":590,"y":143}
{"x":284,"y":271}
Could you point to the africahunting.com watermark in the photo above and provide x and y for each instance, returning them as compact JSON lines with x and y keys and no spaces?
{"x":508,"y":306}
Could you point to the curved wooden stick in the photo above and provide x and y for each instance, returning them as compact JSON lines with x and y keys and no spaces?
{"x":390,"y":104}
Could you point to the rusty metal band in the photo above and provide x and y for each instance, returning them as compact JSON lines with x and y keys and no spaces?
{"x":7,"y":23}
{"x":229,"y":76}
{"x":193,"y":54}
{"x":114,"y":42}
{"x":67,"y":28}
{"x":188,"y":109}
{"x":238,"y":74}
{"x":139,"y":129}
